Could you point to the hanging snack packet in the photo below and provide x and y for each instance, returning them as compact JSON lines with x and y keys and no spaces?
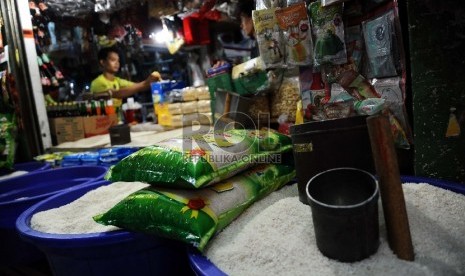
{"x":269,"y":37}
{"x":268,"y":4}
{"x":297,"y":34}
{"x":356,"y":85}
{"x":390,"y":90}
{"x":398,"y":133}
{"x":340,"y":105}
{"x":7,"y":140}
{"x":293,"y":2}
{"x":378,"y":34}
{"x":354,"y":44}
{"x":194,"y":216}
{"x":283,"y":100}
{"x":325,"y":3}
{"x":199,"y":159}
{"x":370,"y":106}
{"x":329,"y":33}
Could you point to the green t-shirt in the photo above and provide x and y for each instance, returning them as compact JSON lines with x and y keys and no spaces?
{"x":102,"y":84}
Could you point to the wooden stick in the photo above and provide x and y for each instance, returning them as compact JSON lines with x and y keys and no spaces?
{"x":392,"y":195}
{"x":227,"y":105}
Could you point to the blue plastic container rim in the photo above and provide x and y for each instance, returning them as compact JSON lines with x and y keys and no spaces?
{"x":32,"y":166}
{"x":203,"y":266}
{"x":26,"y":166}
{"x":39,"y":173}
{"x":49,"y":240}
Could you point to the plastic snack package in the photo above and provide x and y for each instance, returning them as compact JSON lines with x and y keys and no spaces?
{"x":297,"y":33}
{"x":194,"y":216}
{"x":283,"y":101}
{"x":340,"y":105}
{"x":391,"y":90}
{"x":325,"y":3}
{"x":199,"y":159}
{"x":378,"y":34}
{"x":268,"y":4}
{"x":354,"y":45}
{"x":357,"y":85}
{"x":269,"y":38}
{"x":370,"y":106}
{"x":328,"y":28}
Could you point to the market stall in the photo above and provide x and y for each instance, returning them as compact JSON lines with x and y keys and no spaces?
{"x":212,"y":119}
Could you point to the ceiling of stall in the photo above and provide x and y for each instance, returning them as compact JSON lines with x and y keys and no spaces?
{"x":82,"y":8}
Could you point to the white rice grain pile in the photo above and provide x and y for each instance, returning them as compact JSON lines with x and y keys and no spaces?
{"x":275,"y":236}
{"x":13,"y":174}
{"x":76,"y":217}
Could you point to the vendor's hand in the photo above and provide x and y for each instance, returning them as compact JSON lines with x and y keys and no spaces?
{"x":155,"y":76}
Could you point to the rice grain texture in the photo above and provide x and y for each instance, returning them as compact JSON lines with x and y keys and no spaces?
{"x":13,"y":174}
{"x":76,"y":217}
{"x":275,"y":236}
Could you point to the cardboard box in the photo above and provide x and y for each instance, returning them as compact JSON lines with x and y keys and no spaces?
{"x":66,"y":129}
{"x":97,"y":125}
{"x":120,"y":135}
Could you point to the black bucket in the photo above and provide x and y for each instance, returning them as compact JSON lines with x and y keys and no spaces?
{"x":320,"y":146}
{"x":344,"y":204}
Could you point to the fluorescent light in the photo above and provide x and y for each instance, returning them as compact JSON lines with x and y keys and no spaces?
{"x":162,"y":36}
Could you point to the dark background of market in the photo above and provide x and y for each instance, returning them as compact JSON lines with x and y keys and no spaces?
{"x":432,"y":37}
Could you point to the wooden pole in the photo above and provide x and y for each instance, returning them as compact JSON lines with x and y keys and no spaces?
{"x":227,"y":105}
{"x":392,"y":195}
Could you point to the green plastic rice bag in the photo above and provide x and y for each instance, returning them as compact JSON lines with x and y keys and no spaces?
{"x":196,"y":160}
{"x":194,"y":216}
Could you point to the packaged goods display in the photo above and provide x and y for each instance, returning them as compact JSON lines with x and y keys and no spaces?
{"x":297,"y":33}
{"x":335,"y":47}
{"x":200,"y":159}
{"x":183,"y":107}
{"x":269,"y":37}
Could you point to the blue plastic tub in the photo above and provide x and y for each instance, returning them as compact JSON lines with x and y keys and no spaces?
{"x":19,"y":193}
{"x":107,"y":253}
{"x":202,"y":266}
{"x":31,"y":166}
{"x":26,"y":166}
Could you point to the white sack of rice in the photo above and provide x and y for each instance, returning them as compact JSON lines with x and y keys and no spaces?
{"x":275,"y":236}
{"x":76,"y":216}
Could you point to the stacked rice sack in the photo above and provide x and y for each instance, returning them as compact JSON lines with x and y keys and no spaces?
{"x":199,"y":182}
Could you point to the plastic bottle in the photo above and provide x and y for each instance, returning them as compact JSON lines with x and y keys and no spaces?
{"x":109,"y":108}
{"x":102,"y":107}
{"x":82,"y":109}
{"x":93,"y":108}
{"x":89,"y":108}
